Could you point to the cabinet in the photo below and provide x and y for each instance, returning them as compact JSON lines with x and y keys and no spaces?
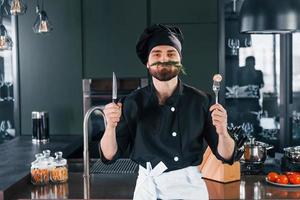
{"x":111,"y":29}
{"x":191,"y":11}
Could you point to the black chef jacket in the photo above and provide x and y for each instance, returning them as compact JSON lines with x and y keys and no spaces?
{"x":173,"y":133}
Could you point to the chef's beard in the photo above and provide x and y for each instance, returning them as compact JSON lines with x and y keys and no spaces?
{"x":164,"y":71}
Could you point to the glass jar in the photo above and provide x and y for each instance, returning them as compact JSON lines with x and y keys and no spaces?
{"x":59,"y":172}
{"x":39,"y":171}
{"x":47,"y":157}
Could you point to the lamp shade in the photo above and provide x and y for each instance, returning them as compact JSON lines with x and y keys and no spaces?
{"x":42,"y":24}
{"x":270,"y":16}
{"x":5,"y":39}
{"x":17,"y":7}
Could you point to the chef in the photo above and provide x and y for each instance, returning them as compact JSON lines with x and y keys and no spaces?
{"x":166,"y":125}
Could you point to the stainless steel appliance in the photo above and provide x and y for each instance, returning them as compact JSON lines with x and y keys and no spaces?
{"x":291,"y":159}
{"x":255,"y":151}
{"x":98,"y":92}
{"x":255,"y":154}
{"x":292,"y":153}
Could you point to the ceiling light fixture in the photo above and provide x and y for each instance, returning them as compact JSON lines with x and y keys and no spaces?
{"x":17,"y":7}
{"x":42,"y":24}
{"x":5,"y":40}
{"x":270,"y":16}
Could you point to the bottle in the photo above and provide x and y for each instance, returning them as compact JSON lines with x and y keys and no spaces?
{"x":59,"y":173}
{"x":44,"y":126}
{"x":35,"y":125}
{"x":39,"y":171}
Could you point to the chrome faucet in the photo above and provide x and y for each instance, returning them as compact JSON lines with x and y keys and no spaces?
{"x":86,"y":159}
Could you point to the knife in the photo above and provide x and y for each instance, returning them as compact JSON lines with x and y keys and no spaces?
{"x":114,"y":88}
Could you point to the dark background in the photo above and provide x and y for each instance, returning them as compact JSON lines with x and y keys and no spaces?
{"x":93,"y":38}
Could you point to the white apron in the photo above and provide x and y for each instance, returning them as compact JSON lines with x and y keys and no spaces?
{"x":153,"y":184}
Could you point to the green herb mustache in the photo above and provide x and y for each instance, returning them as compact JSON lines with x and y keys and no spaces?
{"x":170,"y":64}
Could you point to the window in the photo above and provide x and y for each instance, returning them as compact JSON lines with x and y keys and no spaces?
{"x":265,"y":49}
{"x":296,"y":90}
{"x":253,"y":98}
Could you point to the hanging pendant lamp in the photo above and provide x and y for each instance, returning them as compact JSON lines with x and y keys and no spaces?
{"x":42,"y":24}
{"x":5,"y":40}
{"x":17,"y":7}
{"x":270,"y":16}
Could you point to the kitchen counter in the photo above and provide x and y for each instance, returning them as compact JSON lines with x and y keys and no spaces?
{"x":16,"y":157}
{"x":114,"y":186}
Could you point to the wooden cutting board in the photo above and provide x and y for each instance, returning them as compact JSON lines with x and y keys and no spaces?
{"x":213,"y":169}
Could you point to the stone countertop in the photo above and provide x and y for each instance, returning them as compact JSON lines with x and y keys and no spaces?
{"x":121,"y":186}
{"x":16,"y":156}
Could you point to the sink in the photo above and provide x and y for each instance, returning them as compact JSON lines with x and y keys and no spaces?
{"x":121,"y":166}
{"x":75,"y":165}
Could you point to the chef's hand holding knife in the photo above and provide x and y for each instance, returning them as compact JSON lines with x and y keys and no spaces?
{"x":113,"y":110}
{"x":112,"y":113}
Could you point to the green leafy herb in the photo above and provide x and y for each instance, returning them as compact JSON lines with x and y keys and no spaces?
{"x":170,"y":64}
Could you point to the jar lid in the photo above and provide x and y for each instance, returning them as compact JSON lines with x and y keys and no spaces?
{"x":59,"y":160}
{"x":41,"y":164}
{"x":47,"y":158}
{"x":38,"y":158}
{"x":46,"y":153}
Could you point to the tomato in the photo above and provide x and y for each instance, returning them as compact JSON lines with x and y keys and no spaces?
{"x":282,"y":179}
{"x":291,"y":173}
{"x":272,"y":176}
{"x":294,"y":178}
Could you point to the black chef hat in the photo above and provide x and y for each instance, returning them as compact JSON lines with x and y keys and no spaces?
{"x":158,"y":34}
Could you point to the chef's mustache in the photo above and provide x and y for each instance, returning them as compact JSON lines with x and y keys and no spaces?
{"x":170,"y":64}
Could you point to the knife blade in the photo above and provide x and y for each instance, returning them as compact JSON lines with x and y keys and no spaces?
{"x":114,"y":88}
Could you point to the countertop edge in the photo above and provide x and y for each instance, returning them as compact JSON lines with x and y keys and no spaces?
{"x":74,"y":142}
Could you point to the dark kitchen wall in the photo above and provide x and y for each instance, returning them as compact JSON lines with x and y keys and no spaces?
{"x":51,"y":67}
{"x":92,"y":38}
{"x":199,"y":23}
{"x":111,"y":28}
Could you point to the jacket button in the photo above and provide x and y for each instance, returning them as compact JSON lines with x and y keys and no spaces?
{"x":174,"y":134}
{"x":176,"y":158}
{"x":172,"y":109}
